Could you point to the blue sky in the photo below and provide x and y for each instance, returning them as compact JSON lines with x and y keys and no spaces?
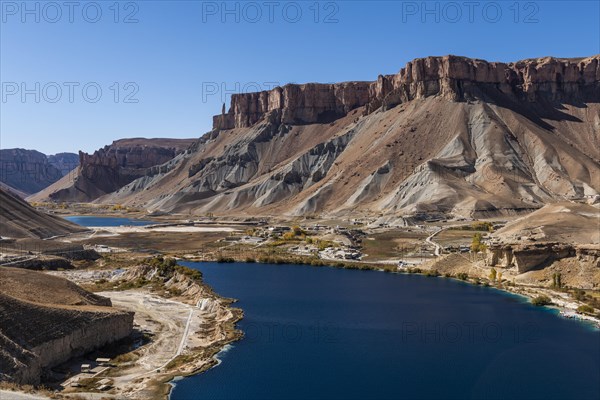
{"x":164,"y":68}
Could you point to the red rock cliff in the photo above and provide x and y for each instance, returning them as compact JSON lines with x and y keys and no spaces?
{"x":455,"y":78}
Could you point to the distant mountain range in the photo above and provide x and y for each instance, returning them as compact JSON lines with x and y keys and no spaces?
{"x":446,"y":135}
{"x":29,"y":171}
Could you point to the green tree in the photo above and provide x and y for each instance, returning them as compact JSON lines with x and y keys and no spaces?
{"x":556,"y":280}
{"x":585,"y":309}
{"x":462,"y":276}
{"x":493,"y":275}
{"x":542,"y":300}
{"x":476,"y":244}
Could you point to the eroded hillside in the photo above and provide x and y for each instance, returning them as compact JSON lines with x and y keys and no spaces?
{"x":444,"y":135}
{"x":46,"y":320}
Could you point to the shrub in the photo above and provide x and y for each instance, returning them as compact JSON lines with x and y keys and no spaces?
{"x":585,"y":309}
{"x":289,"y":236}
{"x":463,"y":276}
{"x":579,"y":295}
{"x":476,"y":244}
{"x":482,"y":226}
{"x":297,"y":231}
{"x":556,"y":280}
{"x":542,"y":300}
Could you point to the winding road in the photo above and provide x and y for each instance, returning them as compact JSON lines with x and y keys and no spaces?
{"x":438,"y":248}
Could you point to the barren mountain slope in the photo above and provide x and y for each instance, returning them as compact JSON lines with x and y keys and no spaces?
{"x":19,"y":220}
{"x":444,"y":135}
{"x":559,"y":222}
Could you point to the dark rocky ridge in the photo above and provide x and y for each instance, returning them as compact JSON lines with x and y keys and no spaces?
{"x":29,"y":171}
{"x":64,"y":162}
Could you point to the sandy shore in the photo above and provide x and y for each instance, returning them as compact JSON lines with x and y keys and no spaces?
{"x":150,"y":228}
{"x":186,"y":333}
{"x":566,"y":306}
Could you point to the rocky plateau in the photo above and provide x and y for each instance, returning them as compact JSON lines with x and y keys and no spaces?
{"x":446,"y":135}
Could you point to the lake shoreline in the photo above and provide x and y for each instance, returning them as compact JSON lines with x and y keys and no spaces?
{"x":566,"y":307}
{"x":184,"y":389}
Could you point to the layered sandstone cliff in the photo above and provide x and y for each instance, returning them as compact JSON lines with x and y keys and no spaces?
{"x":452,"y":77}
{"x":64,"y":162}
{"x":558,"y":231}
{"x":46,"y":320}
{"x":112,"y":167}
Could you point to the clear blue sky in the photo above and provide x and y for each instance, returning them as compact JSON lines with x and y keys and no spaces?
{"x":180,"y":54}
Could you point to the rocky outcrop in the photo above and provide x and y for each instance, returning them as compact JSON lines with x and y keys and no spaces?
{"x":296,"y":104}
{"x":589,"y":255}
{"x":27,"y":170}
{"x":452,"y":77}
{"x":112,"y":167}
{"x":118,"y":164}
{"x":51,"y":335}
{"x":46,"y":320}
{"x":64,"y":162}
{"x":528,"y":257}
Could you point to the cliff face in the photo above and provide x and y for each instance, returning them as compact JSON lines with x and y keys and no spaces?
{"x":113,"y":167}
{"x":295,"y":104}
{"x":120,"y":163}
{"x":530,"y":257}
{"x":27,"y":170}
{"x":52,"y":335}
{"x":64,"y":162}
{"x":46,"y":320}
{"x":454,"y":78}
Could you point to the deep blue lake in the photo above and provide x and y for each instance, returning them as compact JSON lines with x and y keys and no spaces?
{"x":324,"y":333}
{"x":87,"y":220}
